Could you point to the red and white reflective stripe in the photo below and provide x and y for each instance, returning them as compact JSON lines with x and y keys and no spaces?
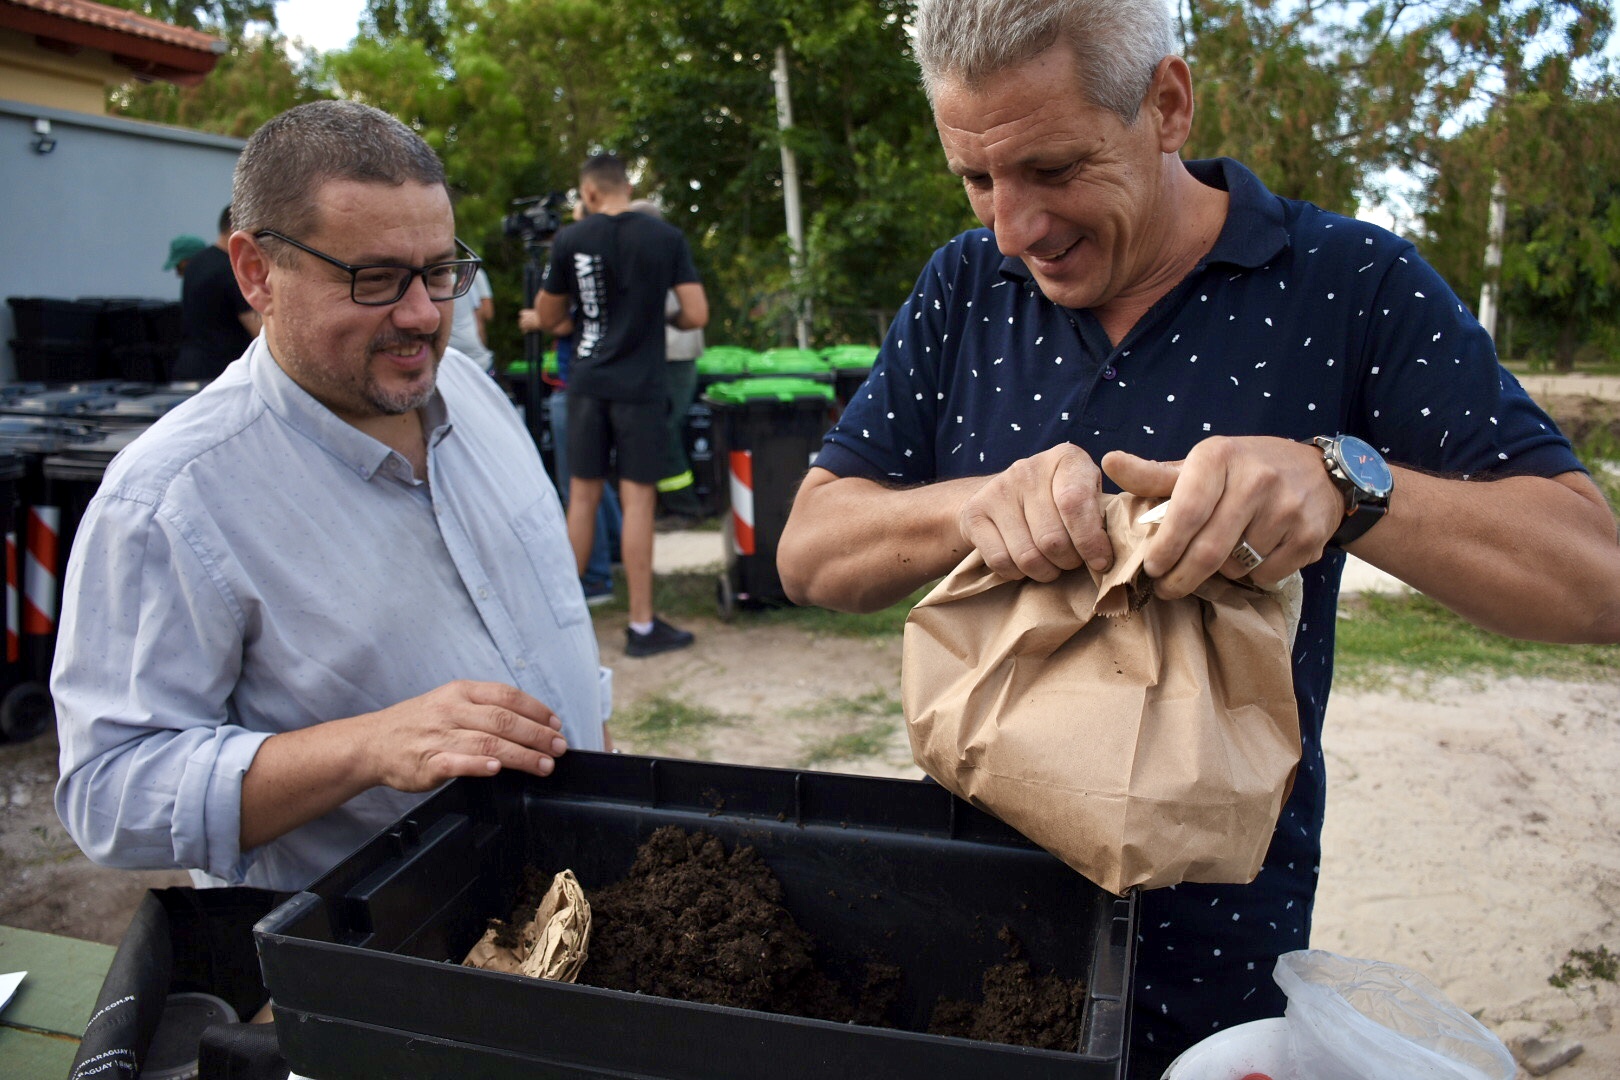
{"x":742,"y":500}
{"x":13,"y":642}
{"x":39,"y":570}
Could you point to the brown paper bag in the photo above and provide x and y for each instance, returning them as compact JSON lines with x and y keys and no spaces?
{"x":1142,"y":741}
{"x":554,"y":943}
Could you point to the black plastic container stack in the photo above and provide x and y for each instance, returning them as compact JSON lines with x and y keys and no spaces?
{"x":363,"y":967}
{"x":13,"y":672}
{"x":41,"y":557}
{"x":768,"y":433}
{"x":139,"y":338}
{"x":57,"y":340}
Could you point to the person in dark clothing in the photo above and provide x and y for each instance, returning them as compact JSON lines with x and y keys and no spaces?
{"x":217,"y":323}
{"x":614,"y":269}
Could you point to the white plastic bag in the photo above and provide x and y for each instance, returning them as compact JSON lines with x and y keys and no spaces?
{"x":1370,"y":1020}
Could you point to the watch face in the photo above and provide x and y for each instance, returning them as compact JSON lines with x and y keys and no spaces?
{"x":1364,"y":466}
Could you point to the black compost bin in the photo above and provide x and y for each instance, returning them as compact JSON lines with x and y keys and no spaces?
{"x":182,"y":944}
{"x":364,"y":972}
{"x":13,"y":673}
{"x":850,"y":365}
{"x":768,"y":433}
{"x":40,"y":558}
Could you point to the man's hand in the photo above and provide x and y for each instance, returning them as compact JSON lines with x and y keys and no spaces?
{"x":463,"y":729}
{"x":1040,"y":517}
{"x":460,"y":729}
{"x":1272,"y":493}
{"x":529,"y":321}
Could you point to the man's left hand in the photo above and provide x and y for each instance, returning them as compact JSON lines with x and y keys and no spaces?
{"x":1273,"y":494}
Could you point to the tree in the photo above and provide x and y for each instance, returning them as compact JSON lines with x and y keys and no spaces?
{"x":255,"y":79}
{"x":699,"y":111}
{"x":1560,"y":159}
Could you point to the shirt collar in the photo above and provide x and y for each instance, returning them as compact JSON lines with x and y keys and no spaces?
{"x":301,"y":412}
{"x":1253,"y":233}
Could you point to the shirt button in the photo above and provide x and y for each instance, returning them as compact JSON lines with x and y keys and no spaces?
{"x":483,"y":594}
{"x":521,"y":664}
{"x":1110,"y":373}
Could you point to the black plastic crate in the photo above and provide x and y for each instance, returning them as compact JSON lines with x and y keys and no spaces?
{"x":56,"y":360}
{"x":41,"y":318}
{"x":364,"y":970}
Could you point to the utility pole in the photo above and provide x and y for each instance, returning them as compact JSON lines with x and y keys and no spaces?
{"x":790,"y":197}
{"x":1490,"y":292}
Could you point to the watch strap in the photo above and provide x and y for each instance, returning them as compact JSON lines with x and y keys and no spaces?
{"x":1357,"y":522}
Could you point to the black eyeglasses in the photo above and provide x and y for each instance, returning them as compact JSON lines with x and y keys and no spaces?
{"x":378,"y":285}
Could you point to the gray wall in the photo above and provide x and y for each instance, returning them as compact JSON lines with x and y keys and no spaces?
{"x":95,"y":216}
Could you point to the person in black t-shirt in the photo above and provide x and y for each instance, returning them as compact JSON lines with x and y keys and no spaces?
{"x":217,"y":323}
{"x":614,"y":269}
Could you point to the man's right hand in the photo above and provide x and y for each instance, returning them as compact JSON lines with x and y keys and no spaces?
{"x":462,"y":729}
{"x":1040,"y":516}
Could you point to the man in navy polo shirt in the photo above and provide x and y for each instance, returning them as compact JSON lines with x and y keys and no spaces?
{"x":1192,"y":333}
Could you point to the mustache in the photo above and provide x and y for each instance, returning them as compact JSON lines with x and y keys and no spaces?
{"x":391,"y":341}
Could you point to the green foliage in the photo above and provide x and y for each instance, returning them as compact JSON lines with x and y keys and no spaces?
{"x":254,"y":80}
{"x":1318,"y":97}
{"x":1585,"y":965}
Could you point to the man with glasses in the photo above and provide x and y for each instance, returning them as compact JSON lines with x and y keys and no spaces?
{"x":338,"y":576}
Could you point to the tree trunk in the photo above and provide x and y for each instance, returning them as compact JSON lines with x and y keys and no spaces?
{"x":1568,"y":341}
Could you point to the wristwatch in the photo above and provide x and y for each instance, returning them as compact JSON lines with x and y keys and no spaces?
{"x":1360,"y":473}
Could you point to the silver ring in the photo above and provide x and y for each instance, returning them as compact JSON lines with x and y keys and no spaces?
{"x":1246,"y":557}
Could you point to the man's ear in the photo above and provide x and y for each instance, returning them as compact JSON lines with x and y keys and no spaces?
{"x":1170,"y":102}
{"x":252,"y":268}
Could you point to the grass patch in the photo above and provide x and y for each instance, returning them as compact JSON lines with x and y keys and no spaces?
{"x":869,"y":741}
{"x":1585,"y":965}
{"x":692,"y":594}
{"x":1380,"y":632}
{"x":656,"y":721}
{"x":879,"y":714}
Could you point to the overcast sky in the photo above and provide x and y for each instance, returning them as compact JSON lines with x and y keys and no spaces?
{"x":323,"y":25}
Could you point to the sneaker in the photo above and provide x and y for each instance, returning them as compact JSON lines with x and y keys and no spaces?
{"x":597,"y":595}
{"x":661,"y":638}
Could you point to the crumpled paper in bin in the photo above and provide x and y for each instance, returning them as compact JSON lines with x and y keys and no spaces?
{"x":1143,"y":741}
{"x":552,"y":945}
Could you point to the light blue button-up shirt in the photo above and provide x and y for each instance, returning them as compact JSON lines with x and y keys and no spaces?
{"x":253,"y":564}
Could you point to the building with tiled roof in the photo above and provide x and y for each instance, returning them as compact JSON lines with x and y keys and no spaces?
{"x":66,"y":53}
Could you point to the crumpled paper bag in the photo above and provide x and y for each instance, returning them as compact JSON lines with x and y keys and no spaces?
{"x":554,"y":943}
{"x":1144,"y":742}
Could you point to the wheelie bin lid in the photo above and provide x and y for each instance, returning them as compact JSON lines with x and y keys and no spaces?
{"x":803,"y":362}
{"x":42,"y":434}
{"x":140,"y":411}
{"x":781,"y":388}
{"x":12,"y":466}
{"x":725,"y":360}
{"x":73,"y":401}
{"x":88,"y":461}
{"x":840,"y":357}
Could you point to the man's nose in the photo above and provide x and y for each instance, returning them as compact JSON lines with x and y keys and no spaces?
{"x":1019,"y":218}
{"x":416,"y":310}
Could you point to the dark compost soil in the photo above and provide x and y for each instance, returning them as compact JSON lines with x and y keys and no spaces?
{"x":693,"y":922}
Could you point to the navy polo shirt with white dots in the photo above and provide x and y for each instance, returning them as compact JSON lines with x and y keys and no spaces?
{"x":1297,"y":323}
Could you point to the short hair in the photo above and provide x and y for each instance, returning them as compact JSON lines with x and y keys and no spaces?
{"x":225,"y":219}
{"x":606,"y":171}
{"x":293,"y":154}
{"x":1117,"y":44}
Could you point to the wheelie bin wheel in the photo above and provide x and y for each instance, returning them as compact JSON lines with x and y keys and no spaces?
{"x":26,"y":711}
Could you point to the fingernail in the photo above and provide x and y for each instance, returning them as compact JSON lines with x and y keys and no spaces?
{"x":492,"y":766}
{"x":546,"y":765}
{"x":559,"y":746}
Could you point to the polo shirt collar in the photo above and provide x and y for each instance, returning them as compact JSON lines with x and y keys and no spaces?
{"x":301,"y":412}
{"x":1254,"y":232}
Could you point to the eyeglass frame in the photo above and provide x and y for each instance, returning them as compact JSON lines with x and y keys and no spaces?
{"x":412,"y":272}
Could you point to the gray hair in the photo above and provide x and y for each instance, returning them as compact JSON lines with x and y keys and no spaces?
{"x":1117,"y":43}
{"x":293,"y":154}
